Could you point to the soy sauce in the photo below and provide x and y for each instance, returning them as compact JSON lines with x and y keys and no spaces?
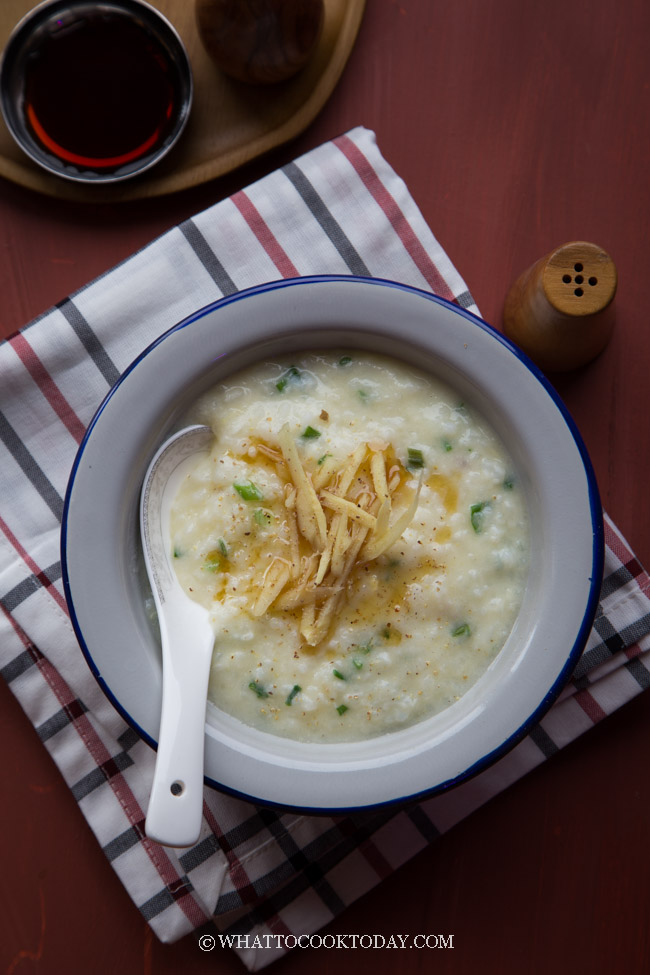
{"x":100,"y":91}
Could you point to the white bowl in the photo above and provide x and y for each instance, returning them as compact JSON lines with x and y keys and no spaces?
{"x":105,"y":593}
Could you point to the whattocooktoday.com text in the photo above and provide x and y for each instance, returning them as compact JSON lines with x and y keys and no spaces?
{"x":208,"y":942}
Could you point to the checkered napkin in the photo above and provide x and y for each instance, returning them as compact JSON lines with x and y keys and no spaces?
{"x":254,"y":873}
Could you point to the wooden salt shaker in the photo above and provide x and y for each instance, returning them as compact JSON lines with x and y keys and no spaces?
{"x":560,"y":311}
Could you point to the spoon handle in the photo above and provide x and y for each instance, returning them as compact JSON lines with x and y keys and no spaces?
{"x":176,"y":803}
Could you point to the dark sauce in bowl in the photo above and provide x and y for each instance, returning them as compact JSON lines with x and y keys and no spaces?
{"x":97,"y":91}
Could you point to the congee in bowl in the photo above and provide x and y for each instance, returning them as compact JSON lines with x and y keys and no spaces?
{"x":360,"y":537}
{"x":397,"y":531}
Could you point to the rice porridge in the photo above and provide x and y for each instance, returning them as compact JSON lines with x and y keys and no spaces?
{"x":360,"y":538}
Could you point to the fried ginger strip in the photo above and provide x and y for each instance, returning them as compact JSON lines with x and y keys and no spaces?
{"x":337,"y":517}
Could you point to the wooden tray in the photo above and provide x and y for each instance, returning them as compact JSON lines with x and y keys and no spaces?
{"x":230,"y":122}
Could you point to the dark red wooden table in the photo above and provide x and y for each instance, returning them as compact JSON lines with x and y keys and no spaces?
{"x":517,"y":126}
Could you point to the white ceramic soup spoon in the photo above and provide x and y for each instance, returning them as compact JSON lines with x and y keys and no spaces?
{"x":175,"y":806}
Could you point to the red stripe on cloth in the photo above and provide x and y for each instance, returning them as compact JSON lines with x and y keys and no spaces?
{"x":33,"y":568}
{"x":590,"y":706}
{"x":633,"y":651}
{"x":614,"y":541}
{"x":131,"y":807}
{"x":47,"y":386}
{"x":263,"y":232}
{"x":20,"y":633}
{"x":627,"y":558}
{"x":643,"y":582}
{"x":395,"y":216}
{"x":609,"y":534}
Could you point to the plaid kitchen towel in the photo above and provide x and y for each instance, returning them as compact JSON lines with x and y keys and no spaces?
{"x":257,"y":876}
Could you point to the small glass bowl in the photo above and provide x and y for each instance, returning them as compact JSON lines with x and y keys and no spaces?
{"x":95,"y":92}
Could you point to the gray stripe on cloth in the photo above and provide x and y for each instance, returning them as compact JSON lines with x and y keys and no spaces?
{"x":29,"y":585}
{"x":20,"y":592}
{"x":616,"y":580}
{"x":639,"y":672}
{"x":613,"y":642}
{"x":124,"y":842}
{"x":19,"y":665}
{"x":228,"y":843}
{"x":156,"y":905}
{"x":207,"y":257}
{"x":276,"y":900}
{"x":543,"y":741}
{"x":329,"y":225}
{"x":302,"y":861}
{"x":243,"y":831}
{"x":423,"y":824}
{"x":199,"y":854}
{"x":270,"y":901}
{"x":165,"y":898}
{"x":465,"y":300}
{"x":89,"y":340}
{"x":300,"y":877}
{"x":103,"y":773}
{"x":635,"y":630}
{"x":60,"y":720}
{"x":128,"y":739}
{"x":233,"y":901}
{"x":30,"y":468}
{"x":329,"y":849}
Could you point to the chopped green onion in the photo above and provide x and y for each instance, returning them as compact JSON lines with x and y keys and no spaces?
{"x":509,"y":482}
{"x":367,"y":647}
{"x":321,"y":460}
{"x":309,"y":433}
{"x":357,"y":663}
{"x":291,"y":375}
{"x":177,"y":552}
{"x":345,"y":360}
{"x":447,"y":445}
{"x":461,"y":630}
{"x":263,"y":517}
{"x":477,"y":515}
{"x":292,"y":693}
{"x":415,"y":458}
{"x":337,"y":673}
{"x":258,"y":689}
{"x":249,"y":491}
{"x":213,"y":562}
{"x":342,"y":708}
{"x":363,"y":395}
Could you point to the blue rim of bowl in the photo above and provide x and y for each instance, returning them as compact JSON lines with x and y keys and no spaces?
{"x":595,"y":509}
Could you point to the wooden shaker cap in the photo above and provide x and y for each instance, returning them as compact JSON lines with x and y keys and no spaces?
{"x":560,"y":310}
